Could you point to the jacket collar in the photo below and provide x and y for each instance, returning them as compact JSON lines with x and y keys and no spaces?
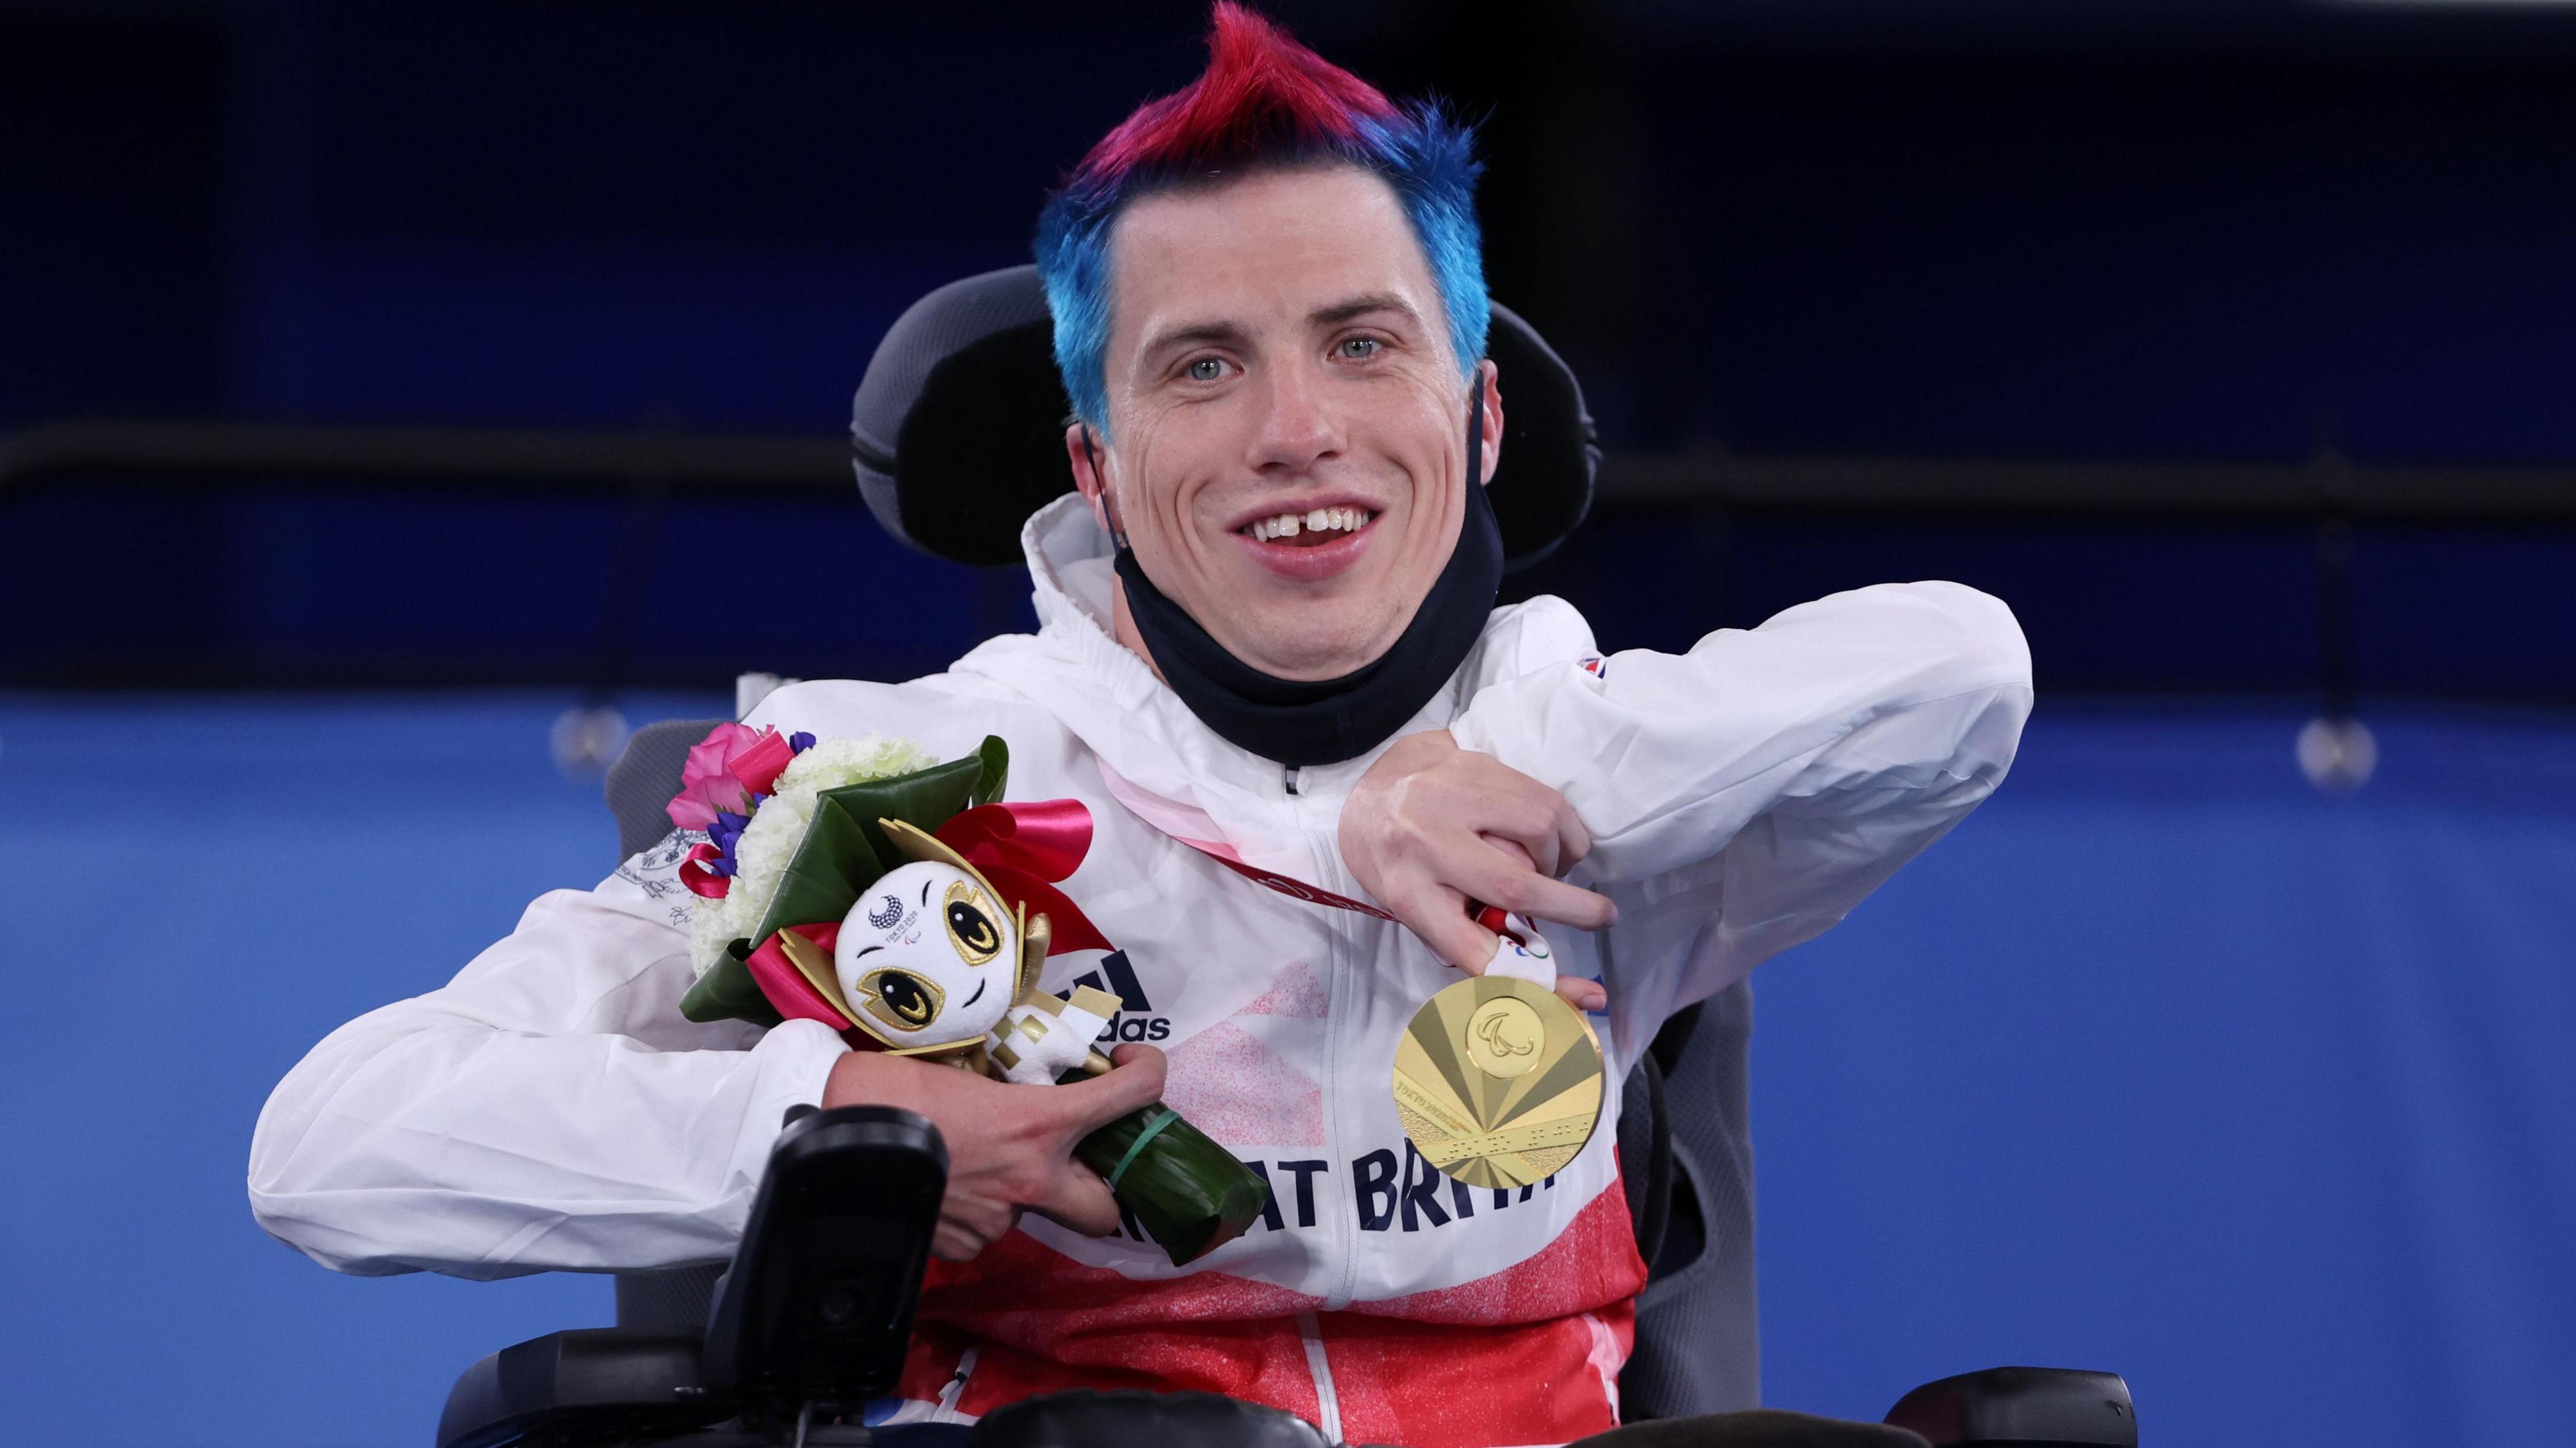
{"x":1158,"y":758}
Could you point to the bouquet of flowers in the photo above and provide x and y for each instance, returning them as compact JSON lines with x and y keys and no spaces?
{"x":897,"y":900}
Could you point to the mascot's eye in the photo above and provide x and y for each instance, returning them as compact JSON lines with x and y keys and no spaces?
{"x":901,"y":999}
{"x":969,"y":928}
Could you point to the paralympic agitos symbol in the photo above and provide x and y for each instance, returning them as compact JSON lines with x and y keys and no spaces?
{"x":1497,"y":1034}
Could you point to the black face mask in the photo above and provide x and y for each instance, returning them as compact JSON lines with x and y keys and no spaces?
{"x":1329,"y":720}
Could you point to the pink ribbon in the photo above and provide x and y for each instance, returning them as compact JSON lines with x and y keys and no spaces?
{"x":1023,"y":849}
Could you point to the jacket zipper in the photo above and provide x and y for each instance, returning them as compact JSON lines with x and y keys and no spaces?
{"x":1328,"y":1402}
{"x":1337,"y":1013}
{"x":1320,"y":846}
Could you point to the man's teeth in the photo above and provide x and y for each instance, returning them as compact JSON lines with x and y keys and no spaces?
{"x":1319,"y":520}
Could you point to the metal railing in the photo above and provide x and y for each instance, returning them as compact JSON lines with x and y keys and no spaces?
{"x":226,"y":454}
{"x":229,"y":454}
{"x":2328,"y":493}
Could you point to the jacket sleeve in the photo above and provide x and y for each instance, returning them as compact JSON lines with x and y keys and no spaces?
{"x":548,"y":1109}
{"x":1778,"y":774}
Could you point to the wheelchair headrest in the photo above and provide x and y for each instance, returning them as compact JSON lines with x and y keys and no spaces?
{"x":958,"y":428}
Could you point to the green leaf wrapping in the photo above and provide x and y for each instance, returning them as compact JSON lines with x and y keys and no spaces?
{"x":842,"y":854}
{"x":728,"y":993}
{"x":1188,"y":1193}
{"x":997,"y":769}
{"x":833,"y":865}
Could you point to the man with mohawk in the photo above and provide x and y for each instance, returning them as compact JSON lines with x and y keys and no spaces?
{"x":1268,"y":639}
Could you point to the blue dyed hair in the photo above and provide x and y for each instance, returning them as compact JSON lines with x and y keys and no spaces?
{"x":1263,"y":101}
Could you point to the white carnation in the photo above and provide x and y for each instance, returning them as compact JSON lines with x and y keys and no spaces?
{"x":777,"y":827}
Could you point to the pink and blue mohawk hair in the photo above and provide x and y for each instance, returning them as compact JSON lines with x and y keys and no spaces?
{"x":1264,"y":100}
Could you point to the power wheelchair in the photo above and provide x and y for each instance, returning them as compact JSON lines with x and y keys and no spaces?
{"x":810,"y":1323}
{"x":957,"y":436}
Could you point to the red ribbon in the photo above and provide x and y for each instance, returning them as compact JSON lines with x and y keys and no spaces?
{"x":758,"y":767}
{"x":1023,"y":849}
{"x":1495,"y":919}
{"x":701,"y":880}
{"x":1293,"y":889}
{"x":789,"y":992}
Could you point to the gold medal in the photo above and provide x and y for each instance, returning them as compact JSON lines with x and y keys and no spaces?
{"x":1498,"y":1080}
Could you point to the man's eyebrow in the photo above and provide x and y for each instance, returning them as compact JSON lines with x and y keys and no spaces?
{"x":1193,"y":334}
{"x":1352,"y":308}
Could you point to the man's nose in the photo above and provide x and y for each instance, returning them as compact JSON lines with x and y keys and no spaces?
{"x":1300,"y":426}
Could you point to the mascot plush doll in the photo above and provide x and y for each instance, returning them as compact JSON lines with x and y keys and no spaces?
{"x":909,"y":909}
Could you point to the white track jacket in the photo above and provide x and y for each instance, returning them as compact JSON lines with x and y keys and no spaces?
{"x":549,"y":1109}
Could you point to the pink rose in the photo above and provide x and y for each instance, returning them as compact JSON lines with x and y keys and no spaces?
{"x":723,"y":772}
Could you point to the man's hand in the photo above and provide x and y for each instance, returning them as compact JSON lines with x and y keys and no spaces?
{"x":1430,"y":826}
{"x":1010,"y":1148}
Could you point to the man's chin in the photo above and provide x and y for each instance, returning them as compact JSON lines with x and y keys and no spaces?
{"x":1307,"y":654}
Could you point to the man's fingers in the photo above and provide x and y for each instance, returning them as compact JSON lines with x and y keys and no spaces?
{"x":1573,"y":841}
{"x":1488,"y":875}
{"x":1135,"y":1082}
{"x":967,"y":1225}
{"x":1458,"y":939}
{"x":1541,"y":898}
{"x":1519,"y":859}
{"x":1078,"y":1198}
{"x":1517,"y":808}
{"x":1510,"y":804}
{"x":1440,"y":918}
{"x":1081,"y":1201}
{"x":1511,"y":850}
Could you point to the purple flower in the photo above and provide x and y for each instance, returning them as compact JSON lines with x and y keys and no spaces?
{"x":723,"y":833}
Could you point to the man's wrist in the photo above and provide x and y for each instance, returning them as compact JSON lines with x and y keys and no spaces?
{"x":858,"y":1078}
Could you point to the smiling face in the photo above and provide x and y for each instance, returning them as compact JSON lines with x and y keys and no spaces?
{"x":1288,"y":426}
{"x":928,"y":957}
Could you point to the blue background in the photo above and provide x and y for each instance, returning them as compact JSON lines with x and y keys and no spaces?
{"x":2162,"y":1063}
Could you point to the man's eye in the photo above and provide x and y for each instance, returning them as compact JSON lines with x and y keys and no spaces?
{"x":1207,"y":369}
{"x":1358,"y":347}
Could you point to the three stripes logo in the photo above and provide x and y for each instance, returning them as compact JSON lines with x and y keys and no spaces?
{"x":1135,"y":1020}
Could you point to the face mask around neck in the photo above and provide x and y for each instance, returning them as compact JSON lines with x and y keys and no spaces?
{"x":1325,"y":721}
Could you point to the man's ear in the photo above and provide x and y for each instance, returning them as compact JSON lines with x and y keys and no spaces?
{"x":1491,"y":399}
{"x":1086,"y":473}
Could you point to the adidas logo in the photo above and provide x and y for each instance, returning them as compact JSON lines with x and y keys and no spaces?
{"x":1134,"y":1021}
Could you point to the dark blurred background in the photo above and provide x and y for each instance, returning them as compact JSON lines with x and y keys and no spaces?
{"x":2286,"y":261}
{"x":378,"y":380}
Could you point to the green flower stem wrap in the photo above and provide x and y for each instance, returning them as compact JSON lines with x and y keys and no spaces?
{"x":1148,"y":1134}
{"x":1188,"y":1193}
